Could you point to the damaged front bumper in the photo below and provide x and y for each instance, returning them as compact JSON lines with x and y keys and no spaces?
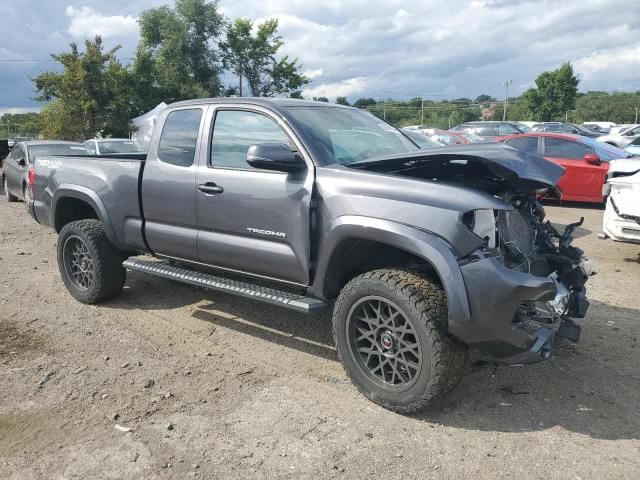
{"x":515,"y":315}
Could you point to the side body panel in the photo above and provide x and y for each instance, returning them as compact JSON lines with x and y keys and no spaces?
{"x":110,"y":186}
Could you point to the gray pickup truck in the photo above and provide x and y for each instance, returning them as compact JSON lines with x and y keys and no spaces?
{"x":423,"y":254}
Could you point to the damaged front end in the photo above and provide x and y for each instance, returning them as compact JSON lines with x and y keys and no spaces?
{"x":524,"y":280}
{"x":526,"y":284}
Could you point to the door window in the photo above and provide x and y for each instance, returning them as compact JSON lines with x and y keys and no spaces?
{"x":506,"y":129}
{"x":526,"y":144}
{"x":555,"y":147}
{"x":179,"y":137}
{"x":234,"y":131}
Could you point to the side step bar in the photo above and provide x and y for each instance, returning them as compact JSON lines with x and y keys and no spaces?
{"x":289,"y":300}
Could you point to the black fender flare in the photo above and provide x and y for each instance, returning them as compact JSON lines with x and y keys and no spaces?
{"x":423,"y":244}
{"x":88,"y":196}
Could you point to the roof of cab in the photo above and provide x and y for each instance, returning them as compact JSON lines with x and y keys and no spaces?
{"x":275,"y":103}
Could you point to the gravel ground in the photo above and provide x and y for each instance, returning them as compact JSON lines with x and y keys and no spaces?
{"x":170,"y":381}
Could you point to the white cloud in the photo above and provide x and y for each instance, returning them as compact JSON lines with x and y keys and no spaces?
{"x":87,"y":22}
{"x":346,"y":88}
{"x":311,"y":74}
{"x":392,"y":49}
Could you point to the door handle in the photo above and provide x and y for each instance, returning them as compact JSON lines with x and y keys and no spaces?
{"x":210,"y":188}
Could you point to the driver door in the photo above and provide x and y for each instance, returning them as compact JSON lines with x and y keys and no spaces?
{"x":249,"y":220}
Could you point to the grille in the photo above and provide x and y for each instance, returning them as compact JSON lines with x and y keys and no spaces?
{"x":517,"y":234}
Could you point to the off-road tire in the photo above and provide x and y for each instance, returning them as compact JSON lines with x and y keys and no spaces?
{"x":108,"y":273}
{"x":10,"y":198}
{"x":423,"y":302}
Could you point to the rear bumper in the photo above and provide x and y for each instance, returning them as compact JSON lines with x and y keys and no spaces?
{"x":497,"y":327}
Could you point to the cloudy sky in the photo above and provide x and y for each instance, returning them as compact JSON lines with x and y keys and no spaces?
{"x":390,"y":48}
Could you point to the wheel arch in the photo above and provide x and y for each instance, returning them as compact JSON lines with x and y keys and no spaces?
{"x":355,"y":243}
{"x":75,"y":202}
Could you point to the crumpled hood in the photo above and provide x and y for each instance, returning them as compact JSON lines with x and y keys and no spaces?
{"x":521,"y":170}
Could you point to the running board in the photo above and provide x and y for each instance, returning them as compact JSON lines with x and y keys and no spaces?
{"x":289,"y":300}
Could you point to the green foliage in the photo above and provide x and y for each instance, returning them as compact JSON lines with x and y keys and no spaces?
{"x":555,"y":93}
{"x":321,"y":99}
{"x":484,"y":98}
{"x":19,"y":124}
{"x":364,"y":102}
{"x":342,"y":101}
{"x":175,"y":59}
{"x":435,"y":114}
{"x":253,"y":57}
{"x":92,"y":94}
{"x":617,"y":107}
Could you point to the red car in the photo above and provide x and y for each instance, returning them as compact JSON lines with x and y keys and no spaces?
{"x":585,"y":160}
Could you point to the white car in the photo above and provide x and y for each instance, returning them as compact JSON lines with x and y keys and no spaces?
{"x":108,"y":146}
{"x":621,"y":220}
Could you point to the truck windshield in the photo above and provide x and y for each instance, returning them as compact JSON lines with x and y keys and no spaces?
{"x":347,"y":136}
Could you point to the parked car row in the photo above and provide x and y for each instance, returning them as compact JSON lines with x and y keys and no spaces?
{"x":17,"y":165}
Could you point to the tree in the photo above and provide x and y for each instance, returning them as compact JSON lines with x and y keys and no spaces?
{"x":176,"y":58}
{"x":364,"y":102}
{"x":91,"y":96}
{"x":19,"y":124}
{"x":554,"y":94}
{"x":321,"y":99}
{"x":484,"y":98}
{"x":253,"y":57}
{"x":342,"y":101}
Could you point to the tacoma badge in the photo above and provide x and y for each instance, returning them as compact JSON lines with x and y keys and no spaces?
{"x":268,"y":233}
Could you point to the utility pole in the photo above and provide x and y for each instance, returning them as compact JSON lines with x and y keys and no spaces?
{"x":240,"y":83}
{"x":506,"y":97}
{"x":636,"y":121}
{"x":422,"y":112}
{"x":566,"y":116}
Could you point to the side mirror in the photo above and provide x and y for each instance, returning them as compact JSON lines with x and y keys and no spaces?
{"x":274,"y":156}
{"x":592,"y":158}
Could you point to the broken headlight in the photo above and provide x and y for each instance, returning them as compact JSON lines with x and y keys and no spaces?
{"x":482,"y":222}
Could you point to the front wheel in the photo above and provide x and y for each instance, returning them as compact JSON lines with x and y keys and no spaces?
{"x":90,"y":266}
{"x":389,"y":327}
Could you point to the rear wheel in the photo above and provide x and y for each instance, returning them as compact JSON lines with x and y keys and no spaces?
{"x":390,"y":332}
{"x":10,"y":198}
{"x":90,"y":266}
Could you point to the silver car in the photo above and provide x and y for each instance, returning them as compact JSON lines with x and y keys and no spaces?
{"x":622,"y":139}
{"x":15,"y":168}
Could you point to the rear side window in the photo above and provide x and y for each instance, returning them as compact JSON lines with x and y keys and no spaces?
{"x":506,"y":129}
{"x":526,"y":144}
{"x":179,"y":137}
{"x":234,"y":131}
{"x":555,"y":147}
{"x":485,"y":130}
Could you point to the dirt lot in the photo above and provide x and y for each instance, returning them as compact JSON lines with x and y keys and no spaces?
{"x":212,"y":386}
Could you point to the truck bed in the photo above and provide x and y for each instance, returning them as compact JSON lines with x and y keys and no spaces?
{"x":111,"y":180}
